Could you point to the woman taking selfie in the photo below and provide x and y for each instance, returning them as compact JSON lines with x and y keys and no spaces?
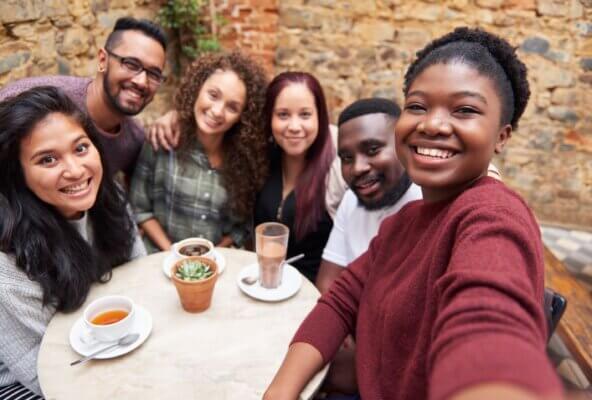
{"x":63,"y":225}
{"x":455,"y":311}
{"x":207,"y":186}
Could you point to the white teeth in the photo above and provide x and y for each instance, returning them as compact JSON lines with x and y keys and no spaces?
{"x":434,"y":152}
{"x":134,"y":94}
{"x":75,"y":188}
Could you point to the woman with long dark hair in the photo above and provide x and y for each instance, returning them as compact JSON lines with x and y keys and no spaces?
{"x":63,"y":225}
{"x":302,"y":151}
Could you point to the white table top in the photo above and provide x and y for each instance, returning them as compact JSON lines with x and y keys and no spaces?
{"x":230,"y":351}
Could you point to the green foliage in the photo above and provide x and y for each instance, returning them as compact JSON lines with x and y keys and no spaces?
{"x":187,"y":19}
{"x":193,"y":271}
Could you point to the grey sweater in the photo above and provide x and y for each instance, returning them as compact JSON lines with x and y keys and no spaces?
{"x":23,"y":318}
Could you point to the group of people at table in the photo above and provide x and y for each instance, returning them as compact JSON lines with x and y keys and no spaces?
{"x":431,"y":271}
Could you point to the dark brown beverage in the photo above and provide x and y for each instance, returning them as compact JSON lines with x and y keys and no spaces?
{"x":194,"y":250}
{"x":271,"y":257}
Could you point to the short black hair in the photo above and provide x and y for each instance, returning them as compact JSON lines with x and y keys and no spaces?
{"x":374,"y":105}
{"x":491,"y":55}
{"x":145,"y":26}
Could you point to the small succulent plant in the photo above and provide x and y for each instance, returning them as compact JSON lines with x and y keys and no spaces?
{"x":193,"y":271}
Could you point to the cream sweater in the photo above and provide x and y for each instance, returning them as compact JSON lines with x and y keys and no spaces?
{"x":23,"y":318}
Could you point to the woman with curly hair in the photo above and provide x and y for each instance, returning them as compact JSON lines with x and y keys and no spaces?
{"x":207,"y":186}
{"x":64,"y":225}
{"x":295,"y":194}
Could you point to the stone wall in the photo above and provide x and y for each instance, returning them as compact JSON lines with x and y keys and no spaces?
{"x":361,"y":48}
{"x":47,"y":37}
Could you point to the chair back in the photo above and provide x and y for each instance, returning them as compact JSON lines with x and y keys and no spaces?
{"x":555,"y":305}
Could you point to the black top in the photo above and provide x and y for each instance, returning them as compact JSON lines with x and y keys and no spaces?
{"x":312,"y":245}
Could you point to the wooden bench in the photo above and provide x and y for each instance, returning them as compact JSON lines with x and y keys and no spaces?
{"x":575,"y":327}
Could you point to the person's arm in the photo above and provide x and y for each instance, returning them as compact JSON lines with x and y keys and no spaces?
{"x":328,"y":272}
{"x":301,"y":363}
{"x":334,"y":258}
{"x":226,"y":241}
{"x":164,"y":132}
{"x":141,"y":198}
{"x":489,"y":334}
{"x":23,"y":321}
{"x":235,"y":231}
{"x":335,"y":184}
{"x":156,"y":233}
{"x":322,"y":332}
{"x":138,"y":247}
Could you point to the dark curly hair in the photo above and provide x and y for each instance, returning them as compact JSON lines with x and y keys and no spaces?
{"x":44,"y":244}
{"x":245,"y":162}
{"x":491,"y":55}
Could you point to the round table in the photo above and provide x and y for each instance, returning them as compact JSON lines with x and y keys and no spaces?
{"x":230,"y":351}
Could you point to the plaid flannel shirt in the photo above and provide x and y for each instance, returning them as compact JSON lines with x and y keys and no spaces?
{"x":186,"y":196}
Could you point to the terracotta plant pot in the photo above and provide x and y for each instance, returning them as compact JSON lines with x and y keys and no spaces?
{"x":195,"y":296}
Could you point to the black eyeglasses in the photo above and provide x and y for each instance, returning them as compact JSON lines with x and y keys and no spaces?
{"x":136,"y":67}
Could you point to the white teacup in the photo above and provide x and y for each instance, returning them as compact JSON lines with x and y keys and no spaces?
{"x":178,"y":248}
{"x":96,"y":318}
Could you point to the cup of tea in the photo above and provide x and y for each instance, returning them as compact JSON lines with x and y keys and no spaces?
{"x":271,"y":242}
{"x":109,"y":318}
{"x":194,"y":247}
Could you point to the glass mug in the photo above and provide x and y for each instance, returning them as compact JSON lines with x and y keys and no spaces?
{"x":271,"y":243}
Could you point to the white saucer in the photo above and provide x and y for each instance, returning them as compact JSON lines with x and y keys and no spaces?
{"x":167,"y":264}
{"x":291,"y":282}
{"x":78,"y":336}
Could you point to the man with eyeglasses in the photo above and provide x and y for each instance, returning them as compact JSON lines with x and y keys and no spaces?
{"x":129,"y":74}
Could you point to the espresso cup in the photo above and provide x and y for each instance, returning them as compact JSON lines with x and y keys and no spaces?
{"x":193,"y":242}
{"x":109,"y":318}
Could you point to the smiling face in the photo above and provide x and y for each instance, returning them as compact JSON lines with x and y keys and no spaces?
{"x":127,"y":92}
{"x":295,"y":121}
{"x":449,"y":129}
{"x":220,"y":103}
{"x":61,"y":166}
{"x":369,"y":165}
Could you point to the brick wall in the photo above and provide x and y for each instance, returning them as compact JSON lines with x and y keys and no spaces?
{"x":252,"y":26}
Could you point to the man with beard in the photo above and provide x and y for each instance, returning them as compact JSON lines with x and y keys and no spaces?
{"x":379,"y":187}
{"x":129,"y":74}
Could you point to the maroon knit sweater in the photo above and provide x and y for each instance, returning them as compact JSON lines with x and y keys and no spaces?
{"x":448,"y":295}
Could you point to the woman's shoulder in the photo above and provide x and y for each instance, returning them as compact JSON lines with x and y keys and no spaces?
{"x":488,"y":191}
{"x":12,"y":276}
{"x":489,"y":196}
{"x":8,"y":268}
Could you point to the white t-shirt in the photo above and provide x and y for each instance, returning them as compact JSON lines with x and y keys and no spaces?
{"x":354,"y":226}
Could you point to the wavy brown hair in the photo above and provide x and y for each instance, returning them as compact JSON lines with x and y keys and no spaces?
{"x":245,"y":163}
